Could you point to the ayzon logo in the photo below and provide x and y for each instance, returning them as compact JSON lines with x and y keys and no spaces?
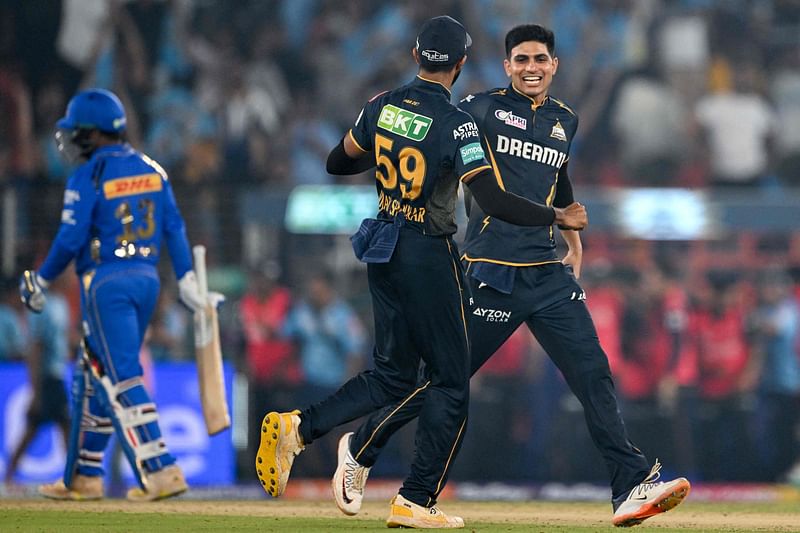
{"x":511,"y":119}
{"x":492,"y":315}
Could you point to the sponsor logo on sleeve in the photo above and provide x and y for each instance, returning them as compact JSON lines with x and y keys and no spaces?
{"x":511,"y":119}
{"x":465,"y":131}
{"x":404,"y":123}
{"x":71,"y":196}
{"x":68,"y":217}
{"x":471,"y":152}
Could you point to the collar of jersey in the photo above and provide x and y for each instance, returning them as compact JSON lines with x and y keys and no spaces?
{"x":522,"y":96}
{"x":425,"y":82}
{"x":112,"y":148}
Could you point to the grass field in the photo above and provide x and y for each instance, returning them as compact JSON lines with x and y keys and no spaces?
{"x":294,"y":516}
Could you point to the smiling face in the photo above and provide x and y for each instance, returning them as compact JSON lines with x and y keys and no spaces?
{"x":531,"y":68}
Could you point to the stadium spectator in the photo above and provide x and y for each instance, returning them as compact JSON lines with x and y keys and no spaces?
{"x":47,"y":354}
{"x":776,"y":367}
{"x":738,"y":156}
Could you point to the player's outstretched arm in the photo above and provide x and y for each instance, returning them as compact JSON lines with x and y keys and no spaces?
{"x":514,"y":209}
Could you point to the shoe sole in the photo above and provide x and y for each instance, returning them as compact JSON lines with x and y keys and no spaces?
{"x":267,"y":465}
{"x":662,"y":504}
{"x":397,"y":522}
{"x":337,"y":487}
{"x":162,"y":496}
{"x":71,"y":497}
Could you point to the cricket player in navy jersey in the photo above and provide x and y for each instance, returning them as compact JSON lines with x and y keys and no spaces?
{"x":119,"y":215}
{"x":516,"y":277}
{"x":422,"y":146}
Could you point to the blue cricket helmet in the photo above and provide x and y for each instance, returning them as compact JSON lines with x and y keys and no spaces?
{"x":94,"y":109}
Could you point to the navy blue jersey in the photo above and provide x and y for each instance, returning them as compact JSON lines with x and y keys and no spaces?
{"x":423,"y":146}
{"x":118,"y":207}
{"x":527,"y":145}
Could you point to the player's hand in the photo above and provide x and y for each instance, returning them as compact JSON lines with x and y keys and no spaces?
{"x":31,"y":291}
{"x":189,"y":293}
{"x":574,"y":259}
{"x":572,"y":217}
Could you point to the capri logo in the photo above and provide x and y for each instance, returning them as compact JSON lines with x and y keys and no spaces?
{"x":492,"y":315}
{"x":404,"y":123}
{"x":511,"y":119}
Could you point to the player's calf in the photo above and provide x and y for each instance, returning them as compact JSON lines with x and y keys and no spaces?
{"x":280,"y":444}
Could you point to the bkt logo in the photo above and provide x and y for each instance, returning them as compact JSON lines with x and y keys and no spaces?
{"x":492,"y":315}
{"x":405,"y":123}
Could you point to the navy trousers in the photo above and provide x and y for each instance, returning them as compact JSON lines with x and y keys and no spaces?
{"x":549,"y":300}
{"x":420,"y":305}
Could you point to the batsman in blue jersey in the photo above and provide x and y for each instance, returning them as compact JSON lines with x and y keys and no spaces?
{"x":119,"y":216}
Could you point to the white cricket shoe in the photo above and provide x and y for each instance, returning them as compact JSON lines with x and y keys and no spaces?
{"x":280,"y":444}
{"x":404,"y":513}
{"x":650,"y":498}
{"x":349,"y":479}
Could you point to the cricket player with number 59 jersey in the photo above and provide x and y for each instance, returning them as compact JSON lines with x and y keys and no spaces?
{"x":119,"y":216}
{"x":515,"y":277}
{"x":422,"y":147}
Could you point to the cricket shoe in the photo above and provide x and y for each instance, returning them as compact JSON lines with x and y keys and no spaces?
{"x":349,"y":479}
{"x":280,"y":444}
{"x":82,"y":488}
{"x":649,"y":498}
{"x":405,"y":513}
{"x":164,"y":483}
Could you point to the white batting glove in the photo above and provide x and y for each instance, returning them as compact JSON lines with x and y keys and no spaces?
{"x":189,"y":293}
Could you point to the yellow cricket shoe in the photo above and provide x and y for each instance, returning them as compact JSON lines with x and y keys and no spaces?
{"x":280,"y":444}
{"x":164,"y":483}
{"x":404,"y":513}
{"x":82,"y":488}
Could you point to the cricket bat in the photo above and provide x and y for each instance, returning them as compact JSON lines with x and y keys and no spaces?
{"x":208,"y":353}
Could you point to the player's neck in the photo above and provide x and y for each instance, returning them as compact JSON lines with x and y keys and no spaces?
{"x":443,"y":78}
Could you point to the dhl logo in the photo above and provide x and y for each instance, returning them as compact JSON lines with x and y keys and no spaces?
{"x":132,"y":185}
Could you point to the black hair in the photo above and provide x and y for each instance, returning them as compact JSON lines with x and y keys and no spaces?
{"x":530,"y":32}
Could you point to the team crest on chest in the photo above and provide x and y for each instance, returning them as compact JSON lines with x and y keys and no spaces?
{"x":558,"y":132}
{"x":511,"y":119}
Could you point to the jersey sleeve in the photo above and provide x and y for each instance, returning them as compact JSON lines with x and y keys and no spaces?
{"x":361,"y":133}
{"x":175,"y":233}
{"x":80,"y":198}
{"x":465,"y":143}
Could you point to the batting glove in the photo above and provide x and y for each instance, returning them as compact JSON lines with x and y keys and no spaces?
{"x":31,"y":290}
{"x":189,"y":293}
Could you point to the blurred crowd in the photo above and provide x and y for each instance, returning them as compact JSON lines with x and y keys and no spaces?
{"x":244,"y":98}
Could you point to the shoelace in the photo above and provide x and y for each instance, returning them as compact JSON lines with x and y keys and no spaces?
{"x":650,"y":481}
{"x":354,"y":476}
